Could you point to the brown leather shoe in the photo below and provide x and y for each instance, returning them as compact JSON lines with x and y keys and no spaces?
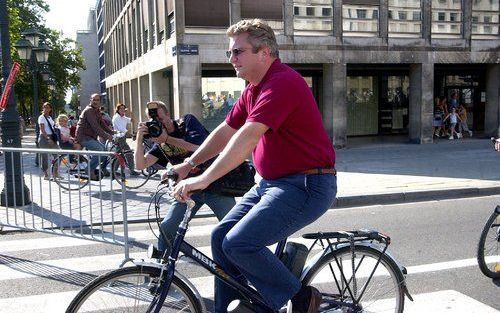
{"x":307,"y":300}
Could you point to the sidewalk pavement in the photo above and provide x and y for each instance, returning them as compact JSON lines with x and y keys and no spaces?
{"x":393,"y":171}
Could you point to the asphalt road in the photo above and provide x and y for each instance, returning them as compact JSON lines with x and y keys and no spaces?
{"x":436,"y":241}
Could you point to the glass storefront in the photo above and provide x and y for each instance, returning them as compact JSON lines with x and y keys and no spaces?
{"x":377,"y":105}
{"x":219,"y":96}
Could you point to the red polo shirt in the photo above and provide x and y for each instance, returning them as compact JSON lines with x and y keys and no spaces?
{"x":296,"y":139}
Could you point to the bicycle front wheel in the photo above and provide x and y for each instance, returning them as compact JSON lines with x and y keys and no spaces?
{"x":132,"y":179}
{"x":372,"y":288}
{"x":131,"y":289}
{"x":70,"y":171}
{"x":488,"y":250}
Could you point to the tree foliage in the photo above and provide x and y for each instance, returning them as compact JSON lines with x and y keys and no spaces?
{"x":65,"y":59}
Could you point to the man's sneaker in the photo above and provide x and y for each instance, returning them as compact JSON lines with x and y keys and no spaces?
{"x":450,"y":138}
{"x":459,"y":135}
{"x":307,"y":300}
{"x":470,"y":133}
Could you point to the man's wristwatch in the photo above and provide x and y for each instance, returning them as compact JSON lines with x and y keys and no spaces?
{"x":190,"y":162}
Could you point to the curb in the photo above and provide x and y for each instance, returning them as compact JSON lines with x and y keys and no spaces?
{"x":413,"y":196}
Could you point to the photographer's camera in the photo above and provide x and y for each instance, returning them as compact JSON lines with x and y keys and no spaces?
{"x":154,"y":125}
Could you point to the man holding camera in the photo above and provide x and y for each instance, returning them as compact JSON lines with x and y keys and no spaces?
{"x":174,"y":142}
{"x":89,"y":127}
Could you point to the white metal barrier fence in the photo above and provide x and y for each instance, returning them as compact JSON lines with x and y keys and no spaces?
{"x":69,"y":205}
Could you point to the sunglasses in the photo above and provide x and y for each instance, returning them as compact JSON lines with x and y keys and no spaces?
{"x":234,"y":52}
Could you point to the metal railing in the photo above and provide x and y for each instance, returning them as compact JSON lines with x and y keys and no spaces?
{"x":91,"y":212}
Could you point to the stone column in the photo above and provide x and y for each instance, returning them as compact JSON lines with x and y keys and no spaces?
{"x":492,"y":108}
{"x":144,"y":96}
{"x":421,"y":102}
{"x":187,"y":85}
{"x":426,"y":21}
{"x":180,"y":19}
{"x":383,"y":20}
{"x":337,"y":19}
{"x":335,"y":103}
{"x":288,"y":20}
{"x":467,"y":22}
{"x":134,"y":106}
{"x":234,"y":11}
{"x":159,"y":87}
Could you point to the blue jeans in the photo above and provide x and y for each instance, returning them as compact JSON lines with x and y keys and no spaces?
{"x":269,"y":212}
{"x":220,"y":205}
{"x":94,"y":145}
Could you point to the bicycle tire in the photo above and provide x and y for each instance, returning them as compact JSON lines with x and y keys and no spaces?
{"x":391,"y":299}
{"x":70,"y":175}
{"x":131,"y":181}
{"x":128,"y":290}
{"x":489,"y":245}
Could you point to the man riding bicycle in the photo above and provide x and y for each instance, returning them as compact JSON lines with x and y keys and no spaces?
{"x":277,"y":119}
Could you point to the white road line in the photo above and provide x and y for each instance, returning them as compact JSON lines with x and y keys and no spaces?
{"x":63,"y":241}
{"x":448,"y":265}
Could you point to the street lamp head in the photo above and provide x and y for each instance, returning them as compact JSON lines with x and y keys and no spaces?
{"x":45,"y":74}
{"x":24,"y":48}
{"x":42,"y":52}
{"x":33,"y":35}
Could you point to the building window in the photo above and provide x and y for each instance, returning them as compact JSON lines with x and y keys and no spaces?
{"x":446,"y":19}
{"x":485,"y":19}
{"x":405,"y":18}
{"x":360,"y":20}
{"x":313,"y":18}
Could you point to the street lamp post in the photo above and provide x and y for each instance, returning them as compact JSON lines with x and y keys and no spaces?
{"x":15,"y":192}
{"x":32,"y":47}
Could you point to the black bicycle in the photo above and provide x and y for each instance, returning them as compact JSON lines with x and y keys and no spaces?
{"x":488,"y":249}
{"x":353,"y":271}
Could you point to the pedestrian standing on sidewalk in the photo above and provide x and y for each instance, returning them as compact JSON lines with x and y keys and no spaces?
{"x":89,"y":127}
{"x":454,"y":119}
{"x":46,"y":139}
{"x":120,"y":123}
{"x":462,"y":126}
{"x":277,"y":120}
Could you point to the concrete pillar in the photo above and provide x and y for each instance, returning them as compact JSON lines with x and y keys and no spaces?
{"x":337,"y":19}
{"x":427,"y":21}
{"x":187,"y":86}
{"x":383,"y":20}
{"x":234,"y":11}
{"x":143,"y":96}
{"x":421,"y":102}
{"x":335,"y":103}
{"x":126,"y":94}
{"x":160,"y":87}
{"x":288,"y":20}
{"x":467,"y":22}
{"x":134,"y":105}
{"x":180,"y":19}
{"x":492,"y":107}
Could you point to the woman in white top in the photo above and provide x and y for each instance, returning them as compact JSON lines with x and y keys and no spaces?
{"x":120,"y":123}
{"x":45,"y":140}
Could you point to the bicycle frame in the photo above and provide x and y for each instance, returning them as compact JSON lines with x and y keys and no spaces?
{"x":191,"y":252}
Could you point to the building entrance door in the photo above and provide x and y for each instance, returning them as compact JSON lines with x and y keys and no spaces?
{"x":470,"y":97}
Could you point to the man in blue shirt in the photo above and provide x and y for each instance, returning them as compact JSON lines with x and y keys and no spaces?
{"x":178,"y":140}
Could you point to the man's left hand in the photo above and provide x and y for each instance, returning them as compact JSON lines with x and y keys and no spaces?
{"x":184,"y":189}
{"x":162,"y":138}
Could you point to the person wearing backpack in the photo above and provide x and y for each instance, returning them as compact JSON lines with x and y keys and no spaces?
{"x":177,"y":141}
{"x":47,"y":138}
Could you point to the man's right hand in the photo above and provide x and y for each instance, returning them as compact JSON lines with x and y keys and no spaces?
{"x":182,"y":170}
{"x":142,"y":129}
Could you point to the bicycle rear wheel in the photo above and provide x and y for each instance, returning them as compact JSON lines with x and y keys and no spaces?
{"x":132,"y":179}
{"x":488,"y":249}
{"x":70,"y":171}
{"x":381,"y":292}
{"x":130,"y":289}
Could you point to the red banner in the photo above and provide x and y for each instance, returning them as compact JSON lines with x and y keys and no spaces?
{"x":8,"y":85}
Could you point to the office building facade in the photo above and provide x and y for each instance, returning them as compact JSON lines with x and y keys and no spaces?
{"x":375,"y":67}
